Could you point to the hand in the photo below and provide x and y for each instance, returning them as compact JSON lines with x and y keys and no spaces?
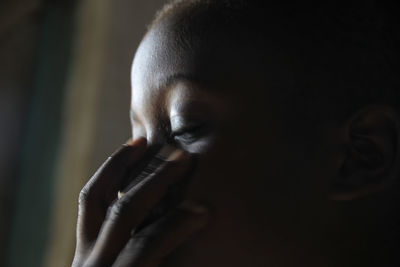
{"x":105,"y":229}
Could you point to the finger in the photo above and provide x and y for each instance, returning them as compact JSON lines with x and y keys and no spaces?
{"x":101,"y":189}
{"x":151,"y":245}
{"x":129,"y":211}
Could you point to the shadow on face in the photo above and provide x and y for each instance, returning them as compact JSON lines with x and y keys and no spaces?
{"x":285,"y":190}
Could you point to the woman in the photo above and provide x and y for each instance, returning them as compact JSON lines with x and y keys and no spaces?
{"x":285,"y":128}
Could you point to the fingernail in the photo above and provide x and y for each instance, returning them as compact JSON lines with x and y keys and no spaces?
{"x":120,"y":194}
{"x":176,"y":155}
{"x":193,"y":207}
{"x":137,"y":141}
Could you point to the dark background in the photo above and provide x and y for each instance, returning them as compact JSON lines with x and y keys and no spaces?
{"x":64,"y":102}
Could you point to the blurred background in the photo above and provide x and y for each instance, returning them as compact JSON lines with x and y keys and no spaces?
{"x":64,"y":103}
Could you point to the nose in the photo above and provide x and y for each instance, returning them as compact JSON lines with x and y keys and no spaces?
{"x":158,"y":136}
{"x":155,"y":139}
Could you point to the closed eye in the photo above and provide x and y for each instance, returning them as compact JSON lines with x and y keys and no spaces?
{"x":191,"y":133}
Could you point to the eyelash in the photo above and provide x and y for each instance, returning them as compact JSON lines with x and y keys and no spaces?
{"x":189,"y":134}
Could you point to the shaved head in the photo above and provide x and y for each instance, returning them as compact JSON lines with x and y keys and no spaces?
{"x":292,"y":111}
{"x":336,"y":54}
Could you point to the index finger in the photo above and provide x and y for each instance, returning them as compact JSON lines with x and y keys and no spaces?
{"x":101,"y":190}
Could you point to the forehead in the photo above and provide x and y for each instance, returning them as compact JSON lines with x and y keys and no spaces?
{"x":201,"y":49}
{"x":214,"y":58}
{"x":166,"y":74}
{"x":157,"y":62}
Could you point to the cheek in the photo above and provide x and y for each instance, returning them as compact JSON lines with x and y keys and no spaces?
{"x":235,"y":174}
{"x":258,"y":192}
{"x":241,"y":193}
{"x":257,"y":178}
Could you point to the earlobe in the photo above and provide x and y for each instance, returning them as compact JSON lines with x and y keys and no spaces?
{"x":371,"y":158}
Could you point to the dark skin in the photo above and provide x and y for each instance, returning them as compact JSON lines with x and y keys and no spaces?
{"x":104,"y":236}
{"x":310,"y":198}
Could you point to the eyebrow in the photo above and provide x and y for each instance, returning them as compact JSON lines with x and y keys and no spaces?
{"x":168,"y":83}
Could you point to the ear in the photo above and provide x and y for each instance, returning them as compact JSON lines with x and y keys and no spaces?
{"x":371,"y":158}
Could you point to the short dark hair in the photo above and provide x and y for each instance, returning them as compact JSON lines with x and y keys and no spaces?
{"x":358,"y":42}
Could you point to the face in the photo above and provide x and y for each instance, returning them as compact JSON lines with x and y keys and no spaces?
{"x":265,"y":189}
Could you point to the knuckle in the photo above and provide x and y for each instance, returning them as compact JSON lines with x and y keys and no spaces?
{"x":119,"y":209}
{"x":85,"y":195}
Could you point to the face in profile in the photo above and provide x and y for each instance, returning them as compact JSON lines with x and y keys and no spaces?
{"x":273,"y":186}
